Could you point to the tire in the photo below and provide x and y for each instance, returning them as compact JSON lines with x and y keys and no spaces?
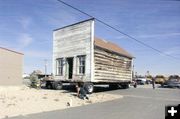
{"x":57,"y":85}
{"x":89,"y":87}
{"x":48,"y":85}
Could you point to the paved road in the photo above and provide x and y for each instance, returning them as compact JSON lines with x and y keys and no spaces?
{"x":139,"y":103}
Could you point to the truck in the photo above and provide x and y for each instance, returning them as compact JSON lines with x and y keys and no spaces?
{"x":81,"y":57}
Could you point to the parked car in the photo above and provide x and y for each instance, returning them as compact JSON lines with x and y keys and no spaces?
{"x":148,"y":81}
{"x":173,"y":83}
{"x":141,"y":81}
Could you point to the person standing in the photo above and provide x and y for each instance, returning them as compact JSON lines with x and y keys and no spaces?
{"x":153,"y":83}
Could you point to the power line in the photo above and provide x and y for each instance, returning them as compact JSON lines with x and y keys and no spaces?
{"x":108,"y":25}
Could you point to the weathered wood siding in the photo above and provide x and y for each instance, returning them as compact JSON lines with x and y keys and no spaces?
{"x":73,"y":41}
{"x":110,"y":67}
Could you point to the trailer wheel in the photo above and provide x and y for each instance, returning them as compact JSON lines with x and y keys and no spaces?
{"x":89,"y":87}
{"x":58,"y":85}
{"x":48,"y":85}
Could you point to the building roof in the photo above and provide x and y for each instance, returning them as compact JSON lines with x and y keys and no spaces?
{"x":11,"y":51}
{"x":74,"y":24}
{"x":111,"y":47}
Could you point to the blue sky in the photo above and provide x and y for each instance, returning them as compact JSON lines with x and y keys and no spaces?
{"x":27,"y":26}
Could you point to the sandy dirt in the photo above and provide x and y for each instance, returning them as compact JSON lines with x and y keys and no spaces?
{"x":22,"y":100}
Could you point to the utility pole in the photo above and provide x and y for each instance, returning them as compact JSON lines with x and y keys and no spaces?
{"x":133,"y":72}
{"x":45,"y":66}
{"x":147,"y":74}
{"x":136,"y":74}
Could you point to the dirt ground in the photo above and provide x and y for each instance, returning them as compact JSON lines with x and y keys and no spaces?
{"x":22,"y":100}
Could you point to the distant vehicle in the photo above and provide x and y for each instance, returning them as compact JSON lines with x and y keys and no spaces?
{"x":174,"y":76}
{"x":173,"y":83}
{"x":141,"y":81}
{"x":160,"y":79}
{"x":148,"y":81}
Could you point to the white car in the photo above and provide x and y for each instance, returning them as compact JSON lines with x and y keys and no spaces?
{"x":141,"y":81}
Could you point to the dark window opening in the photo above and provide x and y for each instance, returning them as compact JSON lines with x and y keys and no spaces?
{"x":70,"y":67}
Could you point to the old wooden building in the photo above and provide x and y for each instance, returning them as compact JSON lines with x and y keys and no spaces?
{"x":11,"y":67}
{"x":80,"y":56}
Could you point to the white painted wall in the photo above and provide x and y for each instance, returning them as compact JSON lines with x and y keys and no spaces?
{"x":73,"y":41}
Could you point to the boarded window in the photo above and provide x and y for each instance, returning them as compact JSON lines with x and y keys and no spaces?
{"x":81,"y":64}
{"x":59,"y":64}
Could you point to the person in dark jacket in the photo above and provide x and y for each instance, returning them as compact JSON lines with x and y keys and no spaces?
{"x":135,"y":84}
{"x":153,"y":83}
{"x":81,"y":91}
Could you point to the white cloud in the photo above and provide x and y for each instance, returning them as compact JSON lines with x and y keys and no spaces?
{"x":62,"y":18}
{"x":173,"y":51}
{"x":25,"y":22}
{"x":34,"y":59}
{"x":59,"y":17}
{"x":24,"y":40}
{"x":158,"y":35}
{"x":6,"y":44}
{"x":121,"y":37}
{"x":37,"y":54}
{"x":150,"y":35}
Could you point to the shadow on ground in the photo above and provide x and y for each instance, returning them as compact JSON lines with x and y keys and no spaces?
{"x":97,"y":89}
{"x":168,"y":87}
